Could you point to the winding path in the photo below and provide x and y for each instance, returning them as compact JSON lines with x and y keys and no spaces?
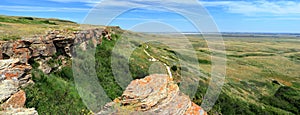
{"x":157,"y":60}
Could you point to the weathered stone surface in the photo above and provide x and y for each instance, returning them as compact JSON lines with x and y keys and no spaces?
{"x":39,"y":48}
{"x":4,"y":64}
{"x":16,"y":72}
{"x":43,"y":62}
{"x":195,"y":110}
{"x":23,"y":54}
{"x":11,"y":69}
{"x":7,"y":88}
{"x":154,"y":95}
{"x":6,"y":49}
{"x":147,"y":91}
{"x":15,"y":101}
{"x":15,"y":57}
{"x":19,"y":111}
{"x":17,"y":49}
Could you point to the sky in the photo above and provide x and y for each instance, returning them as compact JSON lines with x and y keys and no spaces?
{"x":273,"y":16}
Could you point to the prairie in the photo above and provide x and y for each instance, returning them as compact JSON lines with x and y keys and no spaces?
{"x":262,"y":73}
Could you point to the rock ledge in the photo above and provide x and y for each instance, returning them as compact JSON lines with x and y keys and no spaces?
{"x":155,"y":94}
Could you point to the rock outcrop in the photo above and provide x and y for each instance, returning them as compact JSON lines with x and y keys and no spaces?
{"x":18,"y":57}
{"x":15,"y":101}
{"x":156,"y":94}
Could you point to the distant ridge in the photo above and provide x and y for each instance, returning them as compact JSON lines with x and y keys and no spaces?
{"x":234,"y":34}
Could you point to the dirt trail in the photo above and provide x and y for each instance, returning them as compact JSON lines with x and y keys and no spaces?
{"x":157,"y":60}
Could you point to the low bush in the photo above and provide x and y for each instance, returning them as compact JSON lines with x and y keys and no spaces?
{"x":54,"y":96}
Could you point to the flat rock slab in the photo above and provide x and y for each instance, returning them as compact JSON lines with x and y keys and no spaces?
{"x":156,"y":94}
{"x":15,"y":101}
{"x":7,"y":88}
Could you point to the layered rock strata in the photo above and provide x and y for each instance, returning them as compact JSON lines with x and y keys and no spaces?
{"x":18,"y":57}
{"x":154,"y":95}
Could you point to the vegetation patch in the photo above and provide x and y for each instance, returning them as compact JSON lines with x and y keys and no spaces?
{"x":9,"y":37}
{"x":251,"y":54}
{"x":53,"y":95}
{"x":25,"y":20}
{"x":295,"y":57}
{"x":286,"y":98}
{"x":2,"y":24}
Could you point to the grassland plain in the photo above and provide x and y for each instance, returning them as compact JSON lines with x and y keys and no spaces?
{"x":253,"y":66}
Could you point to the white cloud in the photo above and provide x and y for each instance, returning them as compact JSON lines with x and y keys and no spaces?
{"x":274,"y":18}
{"x":254,"y":7}
{"x":42,"y":9}
{"x":153,"y":5}
{"x":83,"y":1}
{"x":279,"y":7}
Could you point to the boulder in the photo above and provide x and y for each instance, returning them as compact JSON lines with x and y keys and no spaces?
{"x":156,"y":94}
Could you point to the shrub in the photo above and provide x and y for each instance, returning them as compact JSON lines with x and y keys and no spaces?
{"x":53,"y":95}
{"x":27,"y":18}
{"x":285,"y":98}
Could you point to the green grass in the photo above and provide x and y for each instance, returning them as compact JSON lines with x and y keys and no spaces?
{"x":31,"y":20}
{"x":104,"y":71}
{"x":13,"y":27}
{"x":2,"y":24}
{"x":295,"y":57}
{"x":285,"y":98}
{"x":51,"y":94}
{"x":251,"y":54}
{"x":9,"y":37}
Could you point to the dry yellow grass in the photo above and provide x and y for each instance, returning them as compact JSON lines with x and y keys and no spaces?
{"x":252,"y":64}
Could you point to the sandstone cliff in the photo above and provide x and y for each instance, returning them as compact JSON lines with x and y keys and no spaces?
{"x":17,"y":57}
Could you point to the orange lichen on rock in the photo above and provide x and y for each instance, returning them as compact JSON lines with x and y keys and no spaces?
{"x":155,"y":94}
{"x":15,"y":101}
{"x":195,"y":110}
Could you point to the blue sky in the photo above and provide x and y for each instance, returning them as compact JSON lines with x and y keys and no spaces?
{"x":229,"y":15}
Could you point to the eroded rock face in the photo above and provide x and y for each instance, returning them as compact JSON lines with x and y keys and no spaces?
{"x":43,"y":49}
{"x":16,"y":57}
{"x":55,"y":43}
{"x":156,"y":94}
{"x":13,"y":69}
